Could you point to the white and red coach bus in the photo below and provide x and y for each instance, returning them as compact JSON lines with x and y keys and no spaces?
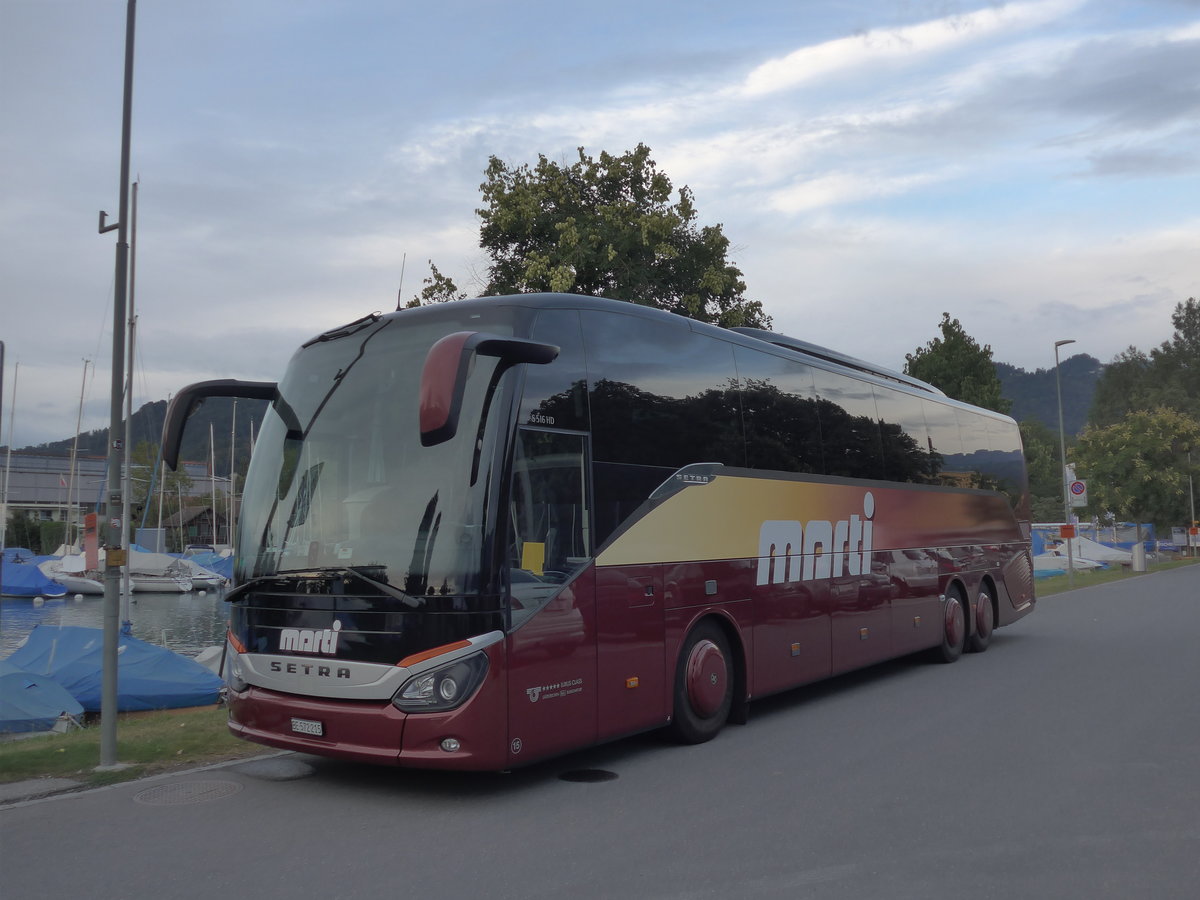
{"x":480,"y":533}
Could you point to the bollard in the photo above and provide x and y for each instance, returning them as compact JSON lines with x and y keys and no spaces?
{"x":1139,"y":557}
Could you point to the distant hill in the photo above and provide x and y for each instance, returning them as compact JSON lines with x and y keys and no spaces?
{"x":147,"y":426}
{"x":1034,"y":394}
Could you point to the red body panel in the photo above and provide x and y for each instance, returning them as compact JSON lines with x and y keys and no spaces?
{"x":552,"y":684}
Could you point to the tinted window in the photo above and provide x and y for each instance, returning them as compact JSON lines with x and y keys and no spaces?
{"x":906,"y":455}
{"x":779,"y":413}
{"x":1007,"y":465}
{"x":849,"y":426}
{"x":660,"y":394}
{"x":555,"y":394}
{"x":945,"y":458}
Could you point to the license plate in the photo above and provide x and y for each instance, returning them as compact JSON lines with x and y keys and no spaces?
{"x":308,"y":726}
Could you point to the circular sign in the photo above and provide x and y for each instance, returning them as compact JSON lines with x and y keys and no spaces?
{"x":1078,"y":488}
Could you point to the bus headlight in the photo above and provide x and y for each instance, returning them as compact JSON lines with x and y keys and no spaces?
{"x":237,"y":683}
{"x":444,"y":687}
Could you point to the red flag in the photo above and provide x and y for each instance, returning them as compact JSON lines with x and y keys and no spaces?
{"x":62,"y":482}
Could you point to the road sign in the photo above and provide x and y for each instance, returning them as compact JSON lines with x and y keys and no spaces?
{"x":1079,"y":493}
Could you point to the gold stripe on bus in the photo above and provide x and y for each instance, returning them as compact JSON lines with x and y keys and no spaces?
{"x":724,"y":518}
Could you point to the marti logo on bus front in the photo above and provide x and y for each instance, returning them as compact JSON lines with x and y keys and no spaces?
{"x":791,"y":551}
{"x":310,"y":640}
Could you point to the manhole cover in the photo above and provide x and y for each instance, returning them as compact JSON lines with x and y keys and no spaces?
{"x":187,"y":792}
{"x":588,"y":776}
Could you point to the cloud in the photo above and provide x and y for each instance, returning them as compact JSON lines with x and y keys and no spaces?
{"x":1146,"y":162}
{"x":836,"y":188}
{"x":907,"y":42}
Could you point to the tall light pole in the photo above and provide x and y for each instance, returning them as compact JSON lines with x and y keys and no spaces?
{"x":1191,"y":496}
{"x":116,"y":509}
{"x":1062,"y":447}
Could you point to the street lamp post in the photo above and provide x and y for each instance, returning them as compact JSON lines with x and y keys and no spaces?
{"x":116,"y":507}
{"x":1062,"y":447}
{"x":1192,"y":505}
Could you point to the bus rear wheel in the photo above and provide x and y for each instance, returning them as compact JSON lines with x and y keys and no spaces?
{"x":954,"y":628}
{"x":984,"y":617}
{"x":703,"y":685}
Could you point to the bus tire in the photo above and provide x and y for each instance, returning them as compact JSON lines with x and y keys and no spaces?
{"x":954,"y":628}
{"x":984,"y":620}
{"x":703,"y":685}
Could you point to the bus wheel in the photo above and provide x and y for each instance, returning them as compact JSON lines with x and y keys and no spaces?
{"x":703,"y":685}
{"x":954,"y":628}
{"x":985,"y":623}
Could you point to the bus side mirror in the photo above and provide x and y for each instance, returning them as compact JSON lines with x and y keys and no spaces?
{"x":444,"y":375}
{"x":189,"y":399}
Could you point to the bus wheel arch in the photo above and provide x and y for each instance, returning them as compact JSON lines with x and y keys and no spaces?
{"x":708,"y":673}
{"x":983,"y":614}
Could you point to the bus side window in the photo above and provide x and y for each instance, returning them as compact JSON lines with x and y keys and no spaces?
{"x":849,"y":427}
{"x":945,"y":445}
{"x":905,"y":438}
{"x":779,"y":412}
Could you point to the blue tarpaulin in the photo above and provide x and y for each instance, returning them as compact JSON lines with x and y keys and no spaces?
{"x":148,"y":676}
{"x":31,"y":702}
{"x":25,"y":579}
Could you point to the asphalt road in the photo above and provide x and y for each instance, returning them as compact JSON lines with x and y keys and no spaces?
{"x":1061,"y":763}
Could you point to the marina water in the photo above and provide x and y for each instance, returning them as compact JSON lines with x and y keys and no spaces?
{"x":185,"y":623}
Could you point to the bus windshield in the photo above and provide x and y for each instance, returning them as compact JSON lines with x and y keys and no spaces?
{"x":340,"y":479}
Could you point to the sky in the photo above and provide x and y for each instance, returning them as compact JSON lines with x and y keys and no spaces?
{"x":1031,"y":167}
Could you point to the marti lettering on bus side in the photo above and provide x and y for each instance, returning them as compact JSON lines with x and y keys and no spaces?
{"x":791,"y":551}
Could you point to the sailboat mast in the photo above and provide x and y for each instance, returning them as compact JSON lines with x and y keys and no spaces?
{"x":232,"y":471}
{"x":12,"y":412}
{"x":127,"y":475}
{"x":212,"y":478}
{"x":72,"y":490}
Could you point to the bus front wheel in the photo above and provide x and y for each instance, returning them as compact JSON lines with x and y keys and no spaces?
{"x":703,"y":685}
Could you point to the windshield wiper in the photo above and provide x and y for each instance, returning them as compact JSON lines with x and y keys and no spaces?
{"x":345,"y":330}
{"x":353,"y":571}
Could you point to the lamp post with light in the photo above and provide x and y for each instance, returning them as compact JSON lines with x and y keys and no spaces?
{"x":1062,"y":447}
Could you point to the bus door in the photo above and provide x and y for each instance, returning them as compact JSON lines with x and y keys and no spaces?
{"x":552,"y":637}
{"x":631,"y":670}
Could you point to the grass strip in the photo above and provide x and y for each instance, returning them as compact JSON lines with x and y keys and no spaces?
{"x":1056,"y":584}
{"x":147,"y":743}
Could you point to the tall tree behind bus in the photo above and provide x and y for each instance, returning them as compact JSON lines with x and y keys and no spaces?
{"x":1166,"y":377}
{"x":608,"y":228}
{"x":959,"y":366}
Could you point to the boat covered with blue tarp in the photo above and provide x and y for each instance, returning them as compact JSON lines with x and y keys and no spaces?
{"x":25,"y":579}
{"x":149,"y":676}
{"x":30,"y":702}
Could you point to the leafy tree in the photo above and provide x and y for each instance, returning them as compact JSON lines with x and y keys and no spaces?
{"x":1127,"y":384}
{"x":1043,"y":465}
{"x":1137,"y":468}
{"x":1177,"y":361}
{"x":607,"y":227}
{"x":959,"y":366}
{"x":1168,"y":376}
{"x":23,"y":531}
{"x":438,"y":289}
